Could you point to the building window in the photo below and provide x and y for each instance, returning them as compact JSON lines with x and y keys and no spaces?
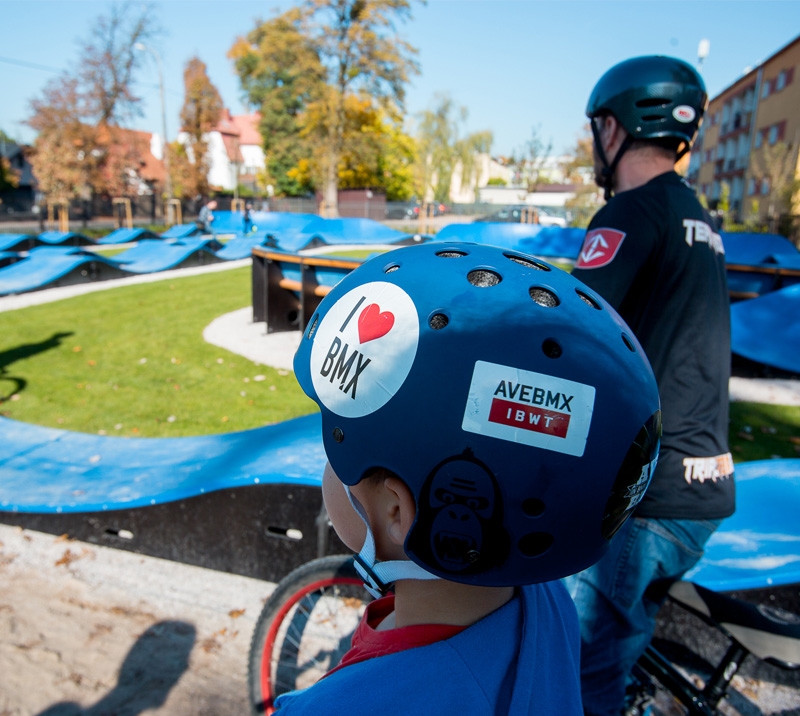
{"x":780,"y":83}
{"x":759,"y":138}
{"x":765,"y":90}
{"x":751,"y":186}
{"x":764,"y":186}
{"x":773,"y":134}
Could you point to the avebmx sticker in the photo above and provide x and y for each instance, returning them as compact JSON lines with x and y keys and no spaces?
{"x":531,"y":408}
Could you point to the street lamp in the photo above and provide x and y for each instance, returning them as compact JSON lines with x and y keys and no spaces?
{"x":145,"y":48}
{"x":703,"y":48}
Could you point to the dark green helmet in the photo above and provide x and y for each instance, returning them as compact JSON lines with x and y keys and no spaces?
{"x":652,"y":97}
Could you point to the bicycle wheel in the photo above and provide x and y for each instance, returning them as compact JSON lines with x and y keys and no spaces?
{"x":304,"y":628}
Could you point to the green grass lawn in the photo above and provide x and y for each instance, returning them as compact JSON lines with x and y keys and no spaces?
{"x":132,"y":361}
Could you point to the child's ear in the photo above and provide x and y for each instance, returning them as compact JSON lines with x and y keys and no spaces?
{"x":403,"y":510}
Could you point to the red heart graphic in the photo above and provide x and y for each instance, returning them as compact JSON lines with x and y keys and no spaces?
{"x":373,"y":324}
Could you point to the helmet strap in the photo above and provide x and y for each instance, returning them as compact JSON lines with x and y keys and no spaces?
{"x":380,"y":576}
{"x":607,"y":173}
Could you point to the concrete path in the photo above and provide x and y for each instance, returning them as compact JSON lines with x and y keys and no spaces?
{"x":92,"y":630}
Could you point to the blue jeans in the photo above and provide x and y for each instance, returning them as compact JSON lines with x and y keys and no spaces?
{"x":618,"y":598}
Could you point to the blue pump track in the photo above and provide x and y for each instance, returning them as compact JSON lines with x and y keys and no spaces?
{"x":767,"y":329}
{"x":51,"y":471}
{"x":764,"y":329}
{"x":46,"y":470}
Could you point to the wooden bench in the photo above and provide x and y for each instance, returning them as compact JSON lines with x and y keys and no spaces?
{"x":287,"y":288}
{"x":762,"y":278}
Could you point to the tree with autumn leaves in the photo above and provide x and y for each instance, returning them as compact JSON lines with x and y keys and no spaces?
{"x":328,"y":78}
{"x":201,"y":111}
{"x":79,"y":148}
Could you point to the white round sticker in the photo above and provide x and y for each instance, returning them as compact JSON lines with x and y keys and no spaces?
{"x":684,"y":113}
{"x":364,"y":348}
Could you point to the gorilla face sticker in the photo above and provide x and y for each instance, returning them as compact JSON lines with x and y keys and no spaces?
{"x":531,"y":408}
{"x":364,"y":348}
{"x":460,"y":526}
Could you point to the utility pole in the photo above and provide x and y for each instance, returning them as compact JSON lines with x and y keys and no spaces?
{"x":168,"y":180}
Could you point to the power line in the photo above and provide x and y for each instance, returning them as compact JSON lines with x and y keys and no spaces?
{"x":45,"y":68}
{"x":30,"y":65}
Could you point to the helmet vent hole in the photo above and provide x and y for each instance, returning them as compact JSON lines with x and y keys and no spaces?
{"x":529,"y":263}
{"x":533,"y":507}
{"x":313,"y":329}
{"x":535,"y":544}
{"x":586,"y":298}
{"x":438,"y":321}
{"x":552,"y":349}
{"x":654,"y":118}
{"x":392,"y":268}
{"x":483,"y":278}
{"x":628,"y":343}
{"x":544,"y":297}
{"x":654,"y":102}
{"x":451,"y":254}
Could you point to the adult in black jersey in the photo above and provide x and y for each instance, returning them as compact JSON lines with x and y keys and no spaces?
{"x":652,"y":254}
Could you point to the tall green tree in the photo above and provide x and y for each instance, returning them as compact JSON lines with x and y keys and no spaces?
{"x":777,"y":164}
{"x":441,"y":148}
{"x":302,"y":66}
{"x":377,"y":153}
{"x":281,"y":75}
{"x":201,"y":111}
{"x":529,"y":161}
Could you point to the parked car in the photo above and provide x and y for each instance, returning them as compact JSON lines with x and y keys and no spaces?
{"x":411,"y":209}
{"x":402,"y":210}
{"x":517,"y":213}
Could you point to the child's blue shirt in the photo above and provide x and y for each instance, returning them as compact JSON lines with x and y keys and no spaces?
{"x":521,"y":659}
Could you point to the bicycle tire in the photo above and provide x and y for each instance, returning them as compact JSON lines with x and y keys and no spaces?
{"x":304,"y":629}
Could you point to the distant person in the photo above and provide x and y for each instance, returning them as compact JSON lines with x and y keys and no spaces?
{"x":206,"y":216}
{"x":248,"y":222}
{"x":653,"y":254}
{"x":485,"y":436}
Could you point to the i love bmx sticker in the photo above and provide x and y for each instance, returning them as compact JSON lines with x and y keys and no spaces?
{"x":364,"y":348}
{"x":530,"y":408}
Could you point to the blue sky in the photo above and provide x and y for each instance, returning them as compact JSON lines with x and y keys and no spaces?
{"x":515,"y":65}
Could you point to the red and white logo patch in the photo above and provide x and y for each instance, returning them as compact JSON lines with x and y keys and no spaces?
{"x":529,"y":408}
{"x":599,"y":248}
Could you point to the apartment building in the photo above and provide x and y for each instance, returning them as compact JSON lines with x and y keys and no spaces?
{"x":749,"y":140}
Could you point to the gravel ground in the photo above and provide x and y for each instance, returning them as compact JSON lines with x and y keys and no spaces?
{"x":93,"y":630}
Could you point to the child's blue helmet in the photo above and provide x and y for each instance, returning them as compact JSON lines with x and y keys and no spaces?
{"x":514,"y":402}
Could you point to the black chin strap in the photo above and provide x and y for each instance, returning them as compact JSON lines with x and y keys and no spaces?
{"x":607,"y":173}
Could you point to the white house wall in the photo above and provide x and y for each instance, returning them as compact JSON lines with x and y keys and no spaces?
{"x":220,"y":172}
{"x":253,"y":156}
{"x":221,"y":169}
{"x":510,"y":195}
